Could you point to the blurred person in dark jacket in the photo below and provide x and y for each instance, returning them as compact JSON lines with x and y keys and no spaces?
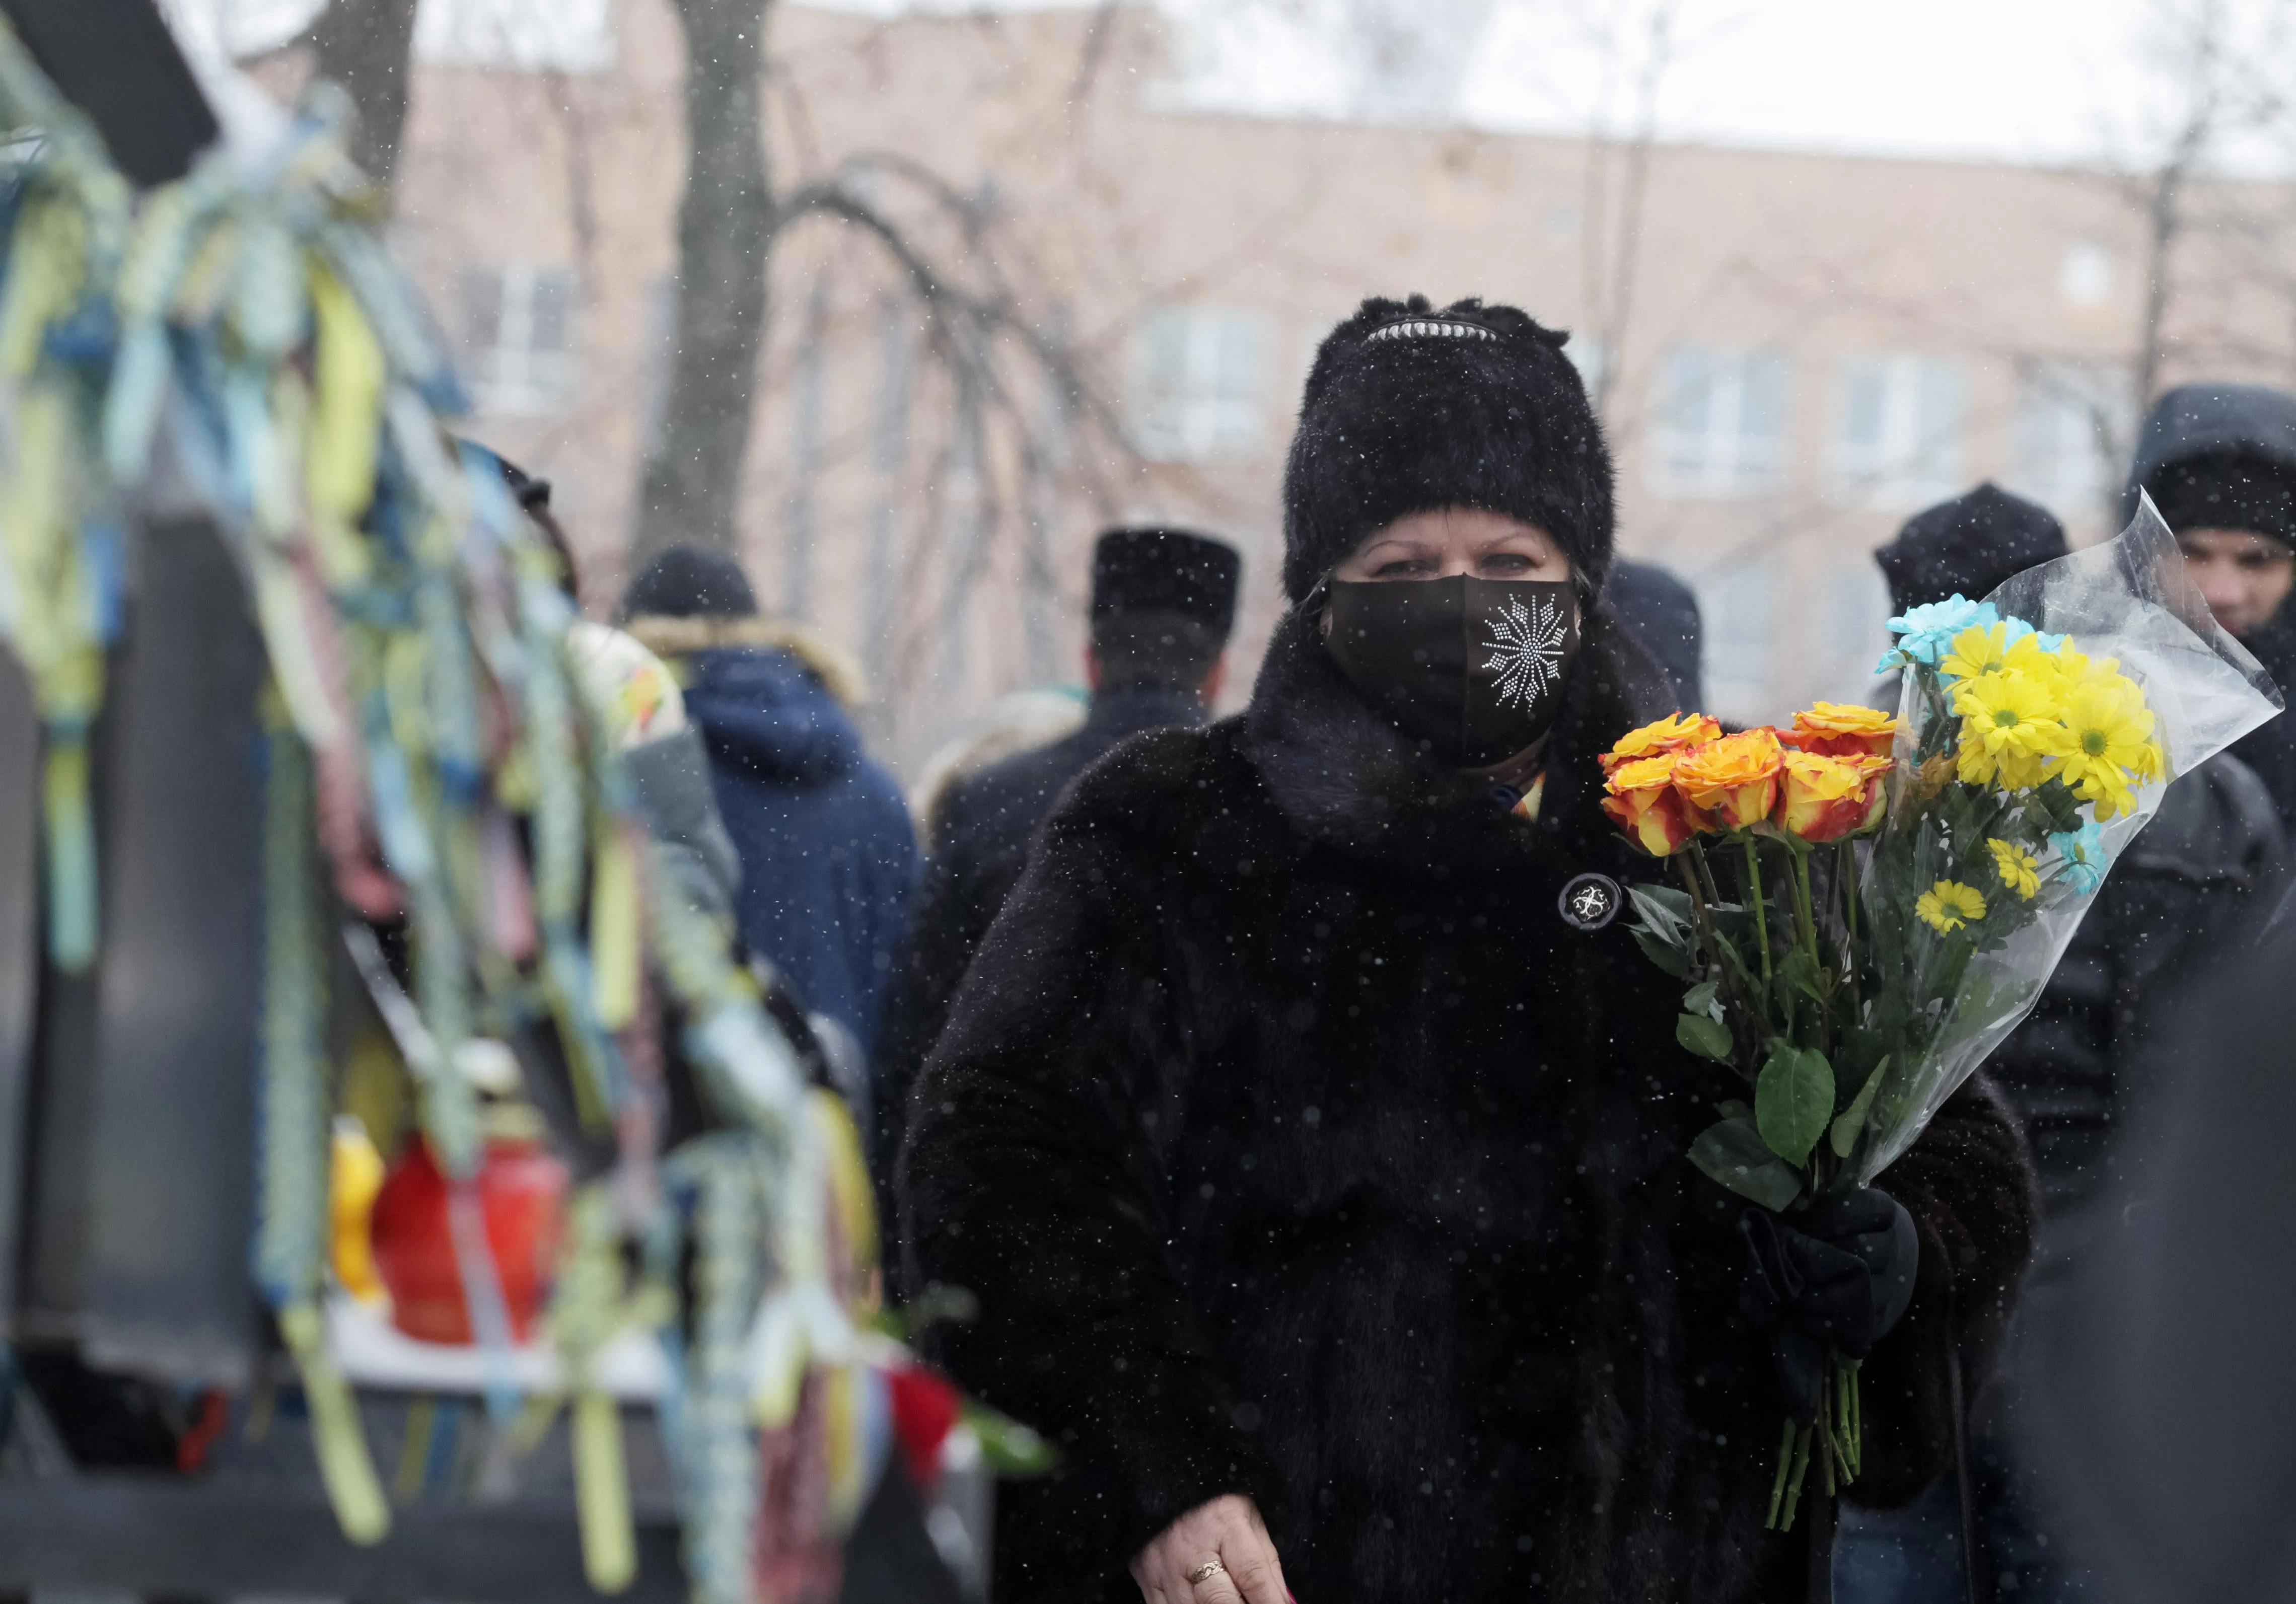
{"x":2185,"y":893}
{"x":1163,"y":603}
{"x":828,"y":856}
{"x":2219,"y":462}
{"x":2160,"y":1400}
{"x":1661,"y":612}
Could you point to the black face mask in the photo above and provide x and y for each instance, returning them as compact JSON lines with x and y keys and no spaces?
{"x":1473,"y":667}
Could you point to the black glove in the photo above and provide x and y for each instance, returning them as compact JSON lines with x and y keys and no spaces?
{"x":1835,"y":1277}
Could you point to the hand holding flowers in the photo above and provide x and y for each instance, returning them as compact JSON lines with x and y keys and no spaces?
{"x":1899,"y":888}
{"x":1825,"y":979}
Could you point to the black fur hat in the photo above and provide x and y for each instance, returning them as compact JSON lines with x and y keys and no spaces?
{"x":1409,"y":409}
{"x":1167,"y":570}
{"x":1967,"y":546}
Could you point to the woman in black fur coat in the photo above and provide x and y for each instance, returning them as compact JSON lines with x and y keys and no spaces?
{"x":1316,"y":1162}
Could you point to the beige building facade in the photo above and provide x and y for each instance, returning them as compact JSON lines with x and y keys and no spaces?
{"x":1794,"y":353}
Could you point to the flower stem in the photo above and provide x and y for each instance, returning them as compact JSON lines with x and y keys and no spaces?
{"x":1785,"y":1465}
{"x":1846,"y":860}
{"x":1801,"y":1436}
{"x":1761,"y":913}
{"x":1806,"y":923}
{"x":1705,"y":915}
{"x":1857,"y":1415}
{"x":1853,"y":1455}
{"x":1705,"y":871}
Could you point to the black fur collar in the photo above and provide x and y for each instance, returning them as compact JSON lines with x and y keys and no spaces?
{"x":1348,"y":779}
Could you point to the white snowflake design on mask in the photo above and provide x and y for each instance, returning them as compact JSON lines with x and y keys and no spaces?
{"x":1526,"y":647}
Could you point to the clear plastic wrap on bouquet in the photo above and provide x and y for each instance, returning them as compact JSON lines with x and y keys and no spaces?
{"x":2129,"y":599}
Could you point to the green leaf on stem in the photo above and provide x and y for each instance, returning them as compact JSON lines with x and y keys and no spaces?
{"x":1733,"y":1155}
{"x":1797,"y":971}
{"x":1700,"y":999}
{"x":1670,"y":902}
{"x":1662,"y":911}
{"x":1704,"y":1035}
{"x":1737,"y":1108}
{"x":1793,"y":1100}
{"x":1673,"y":959}
{"x":1851,"y":1120}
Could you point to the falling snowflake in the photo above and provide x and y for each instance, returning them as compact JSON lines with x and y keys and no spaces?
{"x":1527,"y":650}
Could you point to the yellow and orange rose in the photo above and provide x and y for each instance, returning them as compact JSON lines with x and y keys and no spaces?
{"x":1823,"y":798}
{"x":1840,"y":729}
{"x":1671,"y":734}
{"x":1734,"y":780}
{"x":1644,"y":804}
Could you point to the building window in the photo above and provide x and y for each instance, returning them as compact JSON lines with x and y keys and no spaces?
{"x":2072,"y":421}
{"x":525,"y":35}
{"x":1897,"y":431}
{"x":1735,"y":608}
{"x":2084,"y":275}
{"x":1722,"y":423}
{"x":518,"y":328}
{"x":1196,"y":382}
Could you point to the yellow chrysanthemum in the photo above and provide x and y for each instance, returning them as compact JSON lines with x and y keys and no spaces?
{"x":1976,"y":650}
{"x":2010,"y":723}
{"x":2108,"y":733}
{"x":1949,"y":905}
{"x":2019,"y":870}
{"x":2028,"y":654}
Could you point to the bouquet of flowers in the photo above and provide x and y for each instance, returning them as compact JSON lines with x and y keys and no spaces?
{"x":1869,"y":904}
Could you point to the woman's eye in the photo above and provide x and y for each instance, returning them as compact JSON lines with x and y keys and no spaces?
{"x":1398,"y":569}
{"x":1508,"y":562}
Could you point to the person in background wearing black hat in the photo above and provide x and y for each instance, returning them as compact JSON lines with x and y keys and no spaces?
{"x":1312,"y":1131}
{"x":2183,"y":895}
{"x":2219,"y":462}
{"x":829,"y":858}
{"x":1164,"y":602}
{"x":1661,"y":613}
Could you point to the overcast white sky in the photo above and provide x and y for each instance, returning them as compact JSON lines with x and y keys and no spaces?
{"x":2010,"y":80}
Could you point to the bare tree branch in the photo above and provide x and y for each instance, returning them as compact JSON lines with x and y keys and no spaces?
{"x":956,"y":306}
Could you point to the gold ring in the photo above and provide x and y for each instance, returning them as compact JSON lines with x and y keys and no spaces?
{"x":1206,"y":1571}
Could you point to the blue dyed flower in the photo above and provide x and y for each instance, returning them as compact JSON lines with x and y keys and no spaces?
{"x":2081,"y":858}
{"x":2015,"y":629}
{"x":1926,"y":631}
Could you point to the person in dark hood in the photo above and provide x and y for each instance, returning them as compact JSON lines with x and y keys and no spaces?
{"x":828,"y":856}
{"x":1164,"y":602}
{"x":2184,"y":896}
{"x":1311,"y":1131}
{"x":2219,"y":462}
{"x":1661,"y":613}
